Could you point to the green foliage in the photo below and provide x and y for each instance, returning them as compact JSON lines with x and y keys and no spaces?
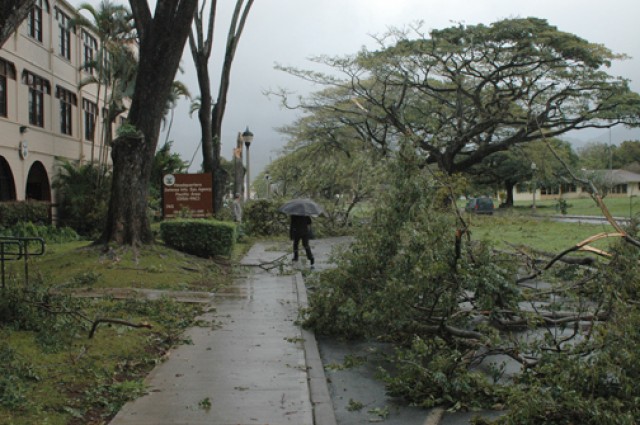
{"x":164,"y":162}
{"x":83,"y":192}
{"x":404,"y":281}
{"x":15,"y":374}
{"x":429,"y":373}
{"x":514,"y":167}
{"x":204,"y":238}
{"x":50,"y":371}
{"x":261,"y":218}
{"x":12,"y":213}
{"x":111,"y":396}
{"x":36,"y":310}
{"x":330,"y":161}
{"x":602,"y":156}
{"x":593,"y":381}
{"x":402,"y":269}
{"x":466,"y":92}
{"x":128,"y":130}
{"x":51,"y":234}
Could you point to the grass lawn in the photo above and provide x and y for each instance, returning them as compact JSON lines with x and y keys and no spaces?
{"x":82,"y":265}
{"x":619,"y":207}
{"x":51,"y":372}
{"x":510,"y":230}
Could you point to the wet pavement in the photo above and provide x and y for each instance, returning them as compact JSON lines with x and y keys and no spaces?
{"x":249,"y":362}
{"x":245,"y":366}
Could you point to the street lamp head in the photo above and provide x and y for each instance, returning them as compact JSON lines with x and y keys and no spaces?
{"x":247,"y":137}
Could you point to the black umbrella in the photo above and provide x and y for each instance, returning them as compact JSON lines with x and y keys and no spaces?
{"x":304,"y":206}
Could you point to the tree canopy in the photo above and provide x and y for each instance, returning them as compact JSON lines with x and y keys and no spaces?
{"x":602,"y":156}
{"x":466,"y":92}
{"x":522,"y":163}
{"x":327,"y":160}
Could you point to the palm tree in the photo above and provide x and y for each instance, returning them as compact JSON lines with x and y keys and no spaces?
{"x":114,"y":65}
{"x":178,"y":90}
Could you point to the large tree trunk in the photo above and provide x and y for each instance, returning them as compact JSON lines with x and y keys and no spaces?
{"x":12,"y":13}
{"x":162,"y":40}
{"x":508,"y":188}
{"x":128,"y":222}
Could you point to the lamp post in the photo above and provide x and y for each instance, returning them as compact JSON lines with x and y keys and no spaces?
{"x":534,"y":167}
{"x":247,"y":138}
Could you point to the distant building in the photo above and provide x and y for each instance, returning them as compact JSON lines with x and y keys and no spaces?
{"x":616,"y":183}
{"x":44,"y":114}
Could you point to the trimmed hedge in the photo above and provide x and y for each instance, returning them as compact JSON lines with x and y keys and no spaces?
{"x":201,"y":237}
{"x":14,"y":212}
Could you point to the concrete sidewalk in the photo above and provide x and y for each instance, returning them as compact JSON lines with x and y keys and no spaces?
{"x":250,"y":364}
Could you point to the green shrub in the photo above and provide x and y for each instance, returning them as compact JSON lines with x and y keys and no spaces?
{"x":83,"y":197}
{"x":51,"y":234}
{"x":12,"y":213}
{"x":204,"y":238}
{"x":261,"y":218}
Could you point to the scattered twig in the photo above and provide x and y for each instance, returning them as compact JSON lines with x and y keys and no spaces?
{"x":270,"y":265}
{"x":117,"y":322}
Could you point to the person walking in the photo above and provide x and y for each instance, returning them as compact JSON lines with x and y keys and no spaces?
{"x":300,"y":230}
{"x":237,"y":209}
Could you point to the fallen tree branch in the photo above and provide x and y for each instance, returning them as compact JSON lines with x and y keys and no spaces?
{"x":117,"y":322}
{"x":579,"y":261}
{"x":580,"y":246}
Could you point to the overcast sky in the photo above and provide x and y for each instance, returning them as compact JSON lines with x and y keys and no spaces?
{"x":289,"y":32}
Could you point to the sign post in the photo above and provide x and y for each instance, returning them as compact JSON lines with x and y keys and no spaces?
{"x":188,"y":194}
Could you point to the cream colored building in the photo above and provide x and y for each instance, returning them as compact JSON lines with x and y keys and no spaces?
{"x":44,"y":114}
{"x":618,"y":184}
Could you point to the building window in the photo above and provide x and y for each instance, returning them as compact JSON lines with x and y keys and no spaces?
{"x":67,"y":101}
{"x":619,"y":188}
{"x":550,"y":190}
{"x":7,"y":71}
{"x":38,"y":87}
{"x":34,"y":21}
{"x":90,"y":47}
{"x":64,"y":37}
{"x":90,"y":116}
{"x":568,"y":188}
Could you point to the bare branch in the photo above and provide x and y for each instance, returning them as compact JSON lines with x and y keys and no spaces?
{"x":117,"y":322}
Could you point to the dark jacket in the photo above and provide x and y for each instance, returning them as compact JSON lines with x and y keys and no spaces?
{"x":299,"y":226}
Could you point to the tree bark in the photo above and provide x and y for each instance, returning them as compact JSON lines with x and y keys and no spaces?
{"x":508,"y":188}
{"x":162,"y":39}
{"x":12,"y":13}
{"x":210,"y":115}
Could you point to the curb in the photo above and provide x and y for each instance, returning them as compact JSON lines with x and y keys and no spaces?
{"x":323,"y":413}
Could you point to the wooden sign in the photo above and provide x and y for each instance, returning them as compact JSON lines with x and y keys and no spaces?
{"x":187,"y":195}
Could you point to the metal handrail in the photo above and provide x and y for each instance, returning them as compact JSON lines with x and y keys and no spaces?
{"x":15,"y":248}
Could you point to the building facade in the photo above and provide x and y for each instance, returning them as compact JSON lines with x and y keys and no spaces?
{"x":616,"y":183}
{"x":45,"y":114}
